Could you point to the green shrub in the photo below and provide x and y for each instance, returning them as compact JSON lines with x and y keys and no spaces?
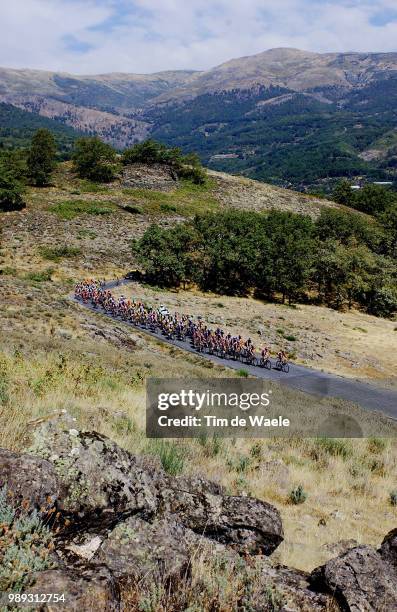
{"x":242,"y":373}
{"x":291,"y":338}
{"x":41,"y":159}
{"x":376,"y":445}
{"x":11,"y":192}
{"x":9,"y":271}
{"x":90,"y":187}
{"x":57,"y":253}
{"x":40,"y":277}
{"x":256,"y":451}
{"x":335,"y":447}
{"x":94,"y":160}
{"x":133,"y":209}
{"x":298,"y":495}
{"x":243,"y":464}
{"x":4,"y":397}
{"x":25,"y":545}
{"x":168,"y":207}
{"x":152,"y":152}
{"x":86,"y":233}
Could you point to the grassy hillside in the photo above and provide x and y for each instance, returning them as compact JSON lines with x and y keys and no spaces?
{"x":18,"y":126}
{"x":55,"y":355}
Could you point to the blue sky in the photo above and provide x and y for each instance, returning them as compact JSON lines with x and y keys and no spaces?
{"x":97,"y":36}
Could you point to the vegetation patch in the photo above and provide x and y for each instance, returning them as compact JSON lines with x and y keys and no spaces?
{"x":341,"y":259}
{"x":335,"y":447}
{"x":133,"y":209}
{"x":298,"y":495}
{"x":59,"y":252}
{"x":187,"y":199}
{"x":25,"y":545}
{"x":69,"y":209}
{"x":86,"y":233}
{"x":171,"y":455}
{"x":40,"y":277}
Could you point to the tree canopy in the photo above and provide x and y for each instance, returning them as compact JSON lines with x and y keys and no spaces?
{"x":94,"y":159}
{"x":41,"y":158}
{"x":339,"y":260}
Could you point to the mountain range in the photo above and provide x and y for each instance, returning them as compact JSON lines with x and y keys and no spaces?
{"x":287,"y":116}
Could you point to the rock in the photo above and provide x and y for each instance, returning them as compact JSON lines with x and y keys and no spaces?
{"x":281,"y":588}
{"x":100,"y":480}
{"x":149,"y":553}
{"x":86,"y":550}
{"x":29,"y":480}
{"x":337,"y":548}
{"x":388,"y":549}
{"x":247,"y":524}
{"x":86,"y":590}
{"x":360,"y":579}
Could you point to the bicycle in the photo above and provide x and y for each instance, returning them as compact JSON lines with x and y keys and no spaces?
{"x":265,"y":363}
{"x":283,"y":366}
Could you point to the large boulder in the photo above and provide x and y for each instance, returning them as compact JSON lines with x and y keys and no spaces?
{"x":247,"y":524}
{"x":31,"y":482}
{"x":84,"y":590}
{"x":360,"y":579}
{"x":100,"y":481}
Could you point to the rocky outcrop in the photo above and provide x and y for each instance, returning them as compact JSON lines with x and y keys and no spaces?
{"x":123,"y":523}
{"x":361,"y":580}
{"x":248,"y":525}
{"x":100,"y":481}
{"x":104,"y":484}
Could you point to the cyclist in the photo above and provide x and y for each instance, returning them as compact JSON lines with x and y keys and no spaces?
{"x":282,"y":357}
{"x":265,"y":353}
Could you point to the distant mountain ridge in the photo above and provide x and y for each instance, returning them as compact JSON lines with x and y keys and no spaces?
{"x":254,"y":115}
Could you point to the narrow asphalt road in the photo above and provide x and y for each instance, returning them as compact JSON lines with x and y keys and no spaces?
{"x":300,"y":377}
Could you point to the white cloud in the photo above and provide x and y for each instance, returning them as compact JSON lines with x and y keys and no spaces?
{"x":151,"y":35}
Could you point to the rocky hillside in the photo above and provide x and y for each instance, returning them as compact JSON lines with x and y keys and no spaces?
{"x":286,"y":116}
{"x":123,"y":535}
